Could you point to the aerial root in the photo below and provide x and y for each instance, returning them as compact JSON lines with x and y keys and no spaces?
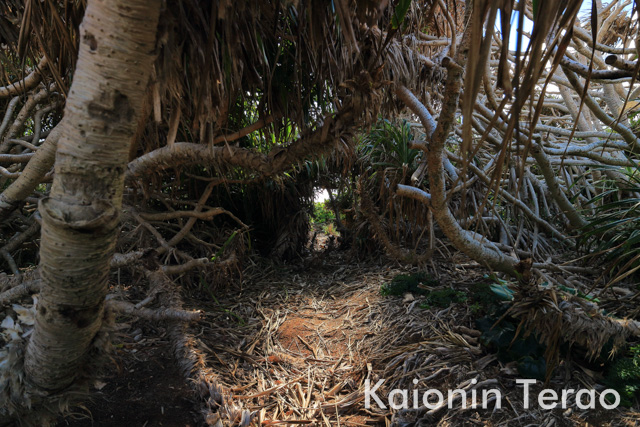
{"x":124,"y":307}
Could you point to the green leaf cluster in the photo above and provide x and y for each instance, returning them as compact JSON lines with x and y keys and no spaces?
{"x":501,"y":336}
{"x":322,"y":214}
{"x":404,"y":283}
{"x":614,"y":231}
{"x":623,"y":375}
{"x":387,"y":146}
{"x":443,"y":298}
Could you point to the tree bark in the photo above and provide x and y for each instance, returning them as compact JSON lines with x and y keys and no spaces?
{"x":80,"y":218}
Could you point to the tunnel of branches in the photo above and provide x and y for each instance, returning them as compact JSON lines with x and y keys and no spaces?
{"x":431,"y":127}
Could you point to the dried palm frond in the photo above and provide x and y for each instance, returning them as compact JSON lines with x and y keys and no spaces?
{"x":559,"y":318}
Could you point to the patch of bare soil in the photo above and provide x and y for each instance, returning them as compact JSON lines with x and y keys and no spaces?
{"x":325,"y":331}
{"x":143,"y":387}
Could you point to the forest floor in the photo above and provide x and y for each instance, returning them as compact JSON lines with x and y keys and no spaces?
{"x":295,"y":344}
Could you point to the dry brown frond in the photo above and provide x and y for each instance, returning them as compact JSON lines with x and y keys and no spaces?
{"x":559,"y":318}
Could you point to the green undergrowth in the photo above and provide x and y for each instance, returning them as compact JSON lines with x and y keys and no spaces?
{"x":500,"y":333}
{"x":322,"y":214}
{"x":323,"y":218}
{"x":500,"y":336}
{"x":489,"y":301}
{"x":480,"y":297}
{"x":483,"y":299}
{"x":443,"y":298}
{"x":415,"y":283}
{"x":623,"y":375}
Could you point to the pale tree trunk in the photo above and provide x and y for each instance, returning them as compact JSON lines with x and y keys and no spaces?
{"x":80,"y":218}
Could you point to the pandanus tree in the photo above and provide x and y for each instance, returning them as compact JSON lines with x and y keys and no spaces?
{"x":80,"y":216}
{"x":228,"y":94}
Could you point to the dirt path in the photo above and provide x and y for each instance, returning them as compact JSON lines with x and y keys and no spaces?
{"x":295,"y":345}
